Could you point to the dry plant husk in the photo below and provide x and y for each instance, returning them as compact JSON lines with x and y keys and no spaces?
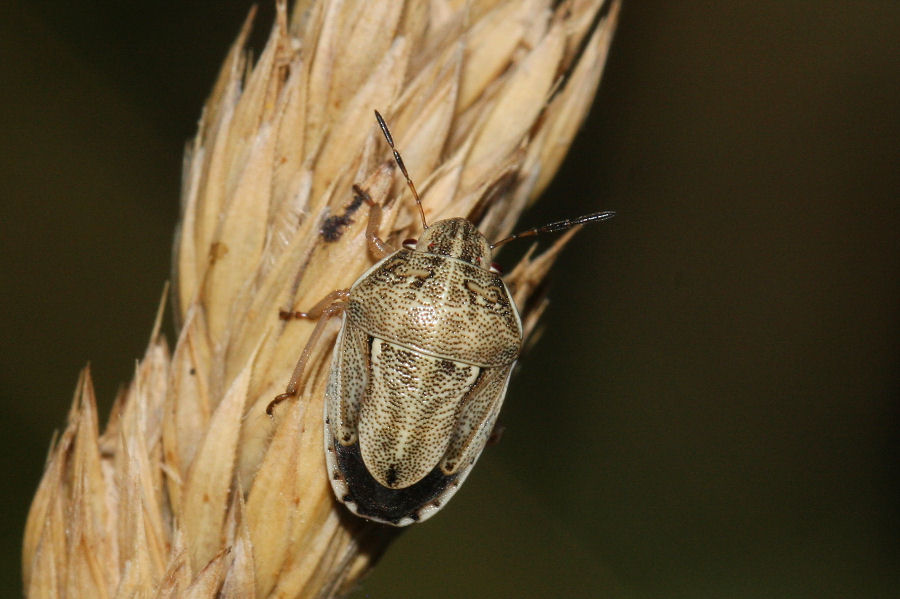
{"x":191,"y":490}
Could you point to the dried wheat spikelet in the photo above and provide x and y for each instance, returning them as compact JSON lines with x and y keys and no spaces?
{"x":191,"y":490}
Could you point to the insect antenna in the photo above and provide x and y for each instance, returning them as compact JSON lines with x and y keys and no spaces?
{"x":390,"y":140}
{"x":561,"y":225}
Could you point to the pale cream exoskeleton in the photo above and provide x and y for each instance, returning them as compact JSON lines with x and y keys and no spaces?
{"x":429,"y":337}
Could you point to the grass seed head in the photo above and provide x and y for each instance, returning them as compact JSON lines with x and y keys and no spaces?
{"x":191,"y":490}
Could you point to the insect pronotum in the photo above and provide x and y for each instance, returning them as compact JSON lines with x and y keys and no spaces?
{"x":429,"y":337}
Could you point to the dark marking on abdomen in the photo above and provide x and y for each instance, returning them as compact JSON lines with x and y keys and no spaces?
{"x":374,"y":500}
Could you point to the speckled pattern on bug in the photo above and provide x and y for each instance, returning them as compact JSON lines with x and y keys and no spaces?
{"x":429,"y":337}
{"x":418,"y":375}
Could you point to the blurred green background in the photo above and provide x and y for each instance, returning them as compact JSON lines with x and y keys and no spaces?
{"x":712,"y":410}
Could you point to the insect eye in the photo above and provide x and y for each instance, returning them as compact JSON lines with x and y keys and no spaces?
{"x":495,"y":268}
{"x":410,"y":244}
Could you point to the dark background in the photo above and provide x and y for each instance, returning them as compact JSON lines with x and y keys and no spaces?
{"x":712,"y":410}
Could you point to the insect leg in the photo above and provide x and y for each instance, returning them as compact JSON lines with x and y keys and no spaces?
{"x":338,"y":295}
{"x":496,"y":435}
{"x":333,"y":304}
{"x":377,"y":246}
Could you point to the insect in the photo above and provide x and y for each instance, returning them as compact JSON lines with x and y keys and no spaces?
{"x":419,"y":371}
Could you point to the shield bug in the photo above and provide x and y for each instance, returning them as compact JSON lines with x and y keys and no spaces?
{"x":429,"y":337}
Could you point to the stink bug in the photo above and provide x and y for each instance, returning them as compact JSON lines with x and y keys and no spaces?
{"x":429,"y":337}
